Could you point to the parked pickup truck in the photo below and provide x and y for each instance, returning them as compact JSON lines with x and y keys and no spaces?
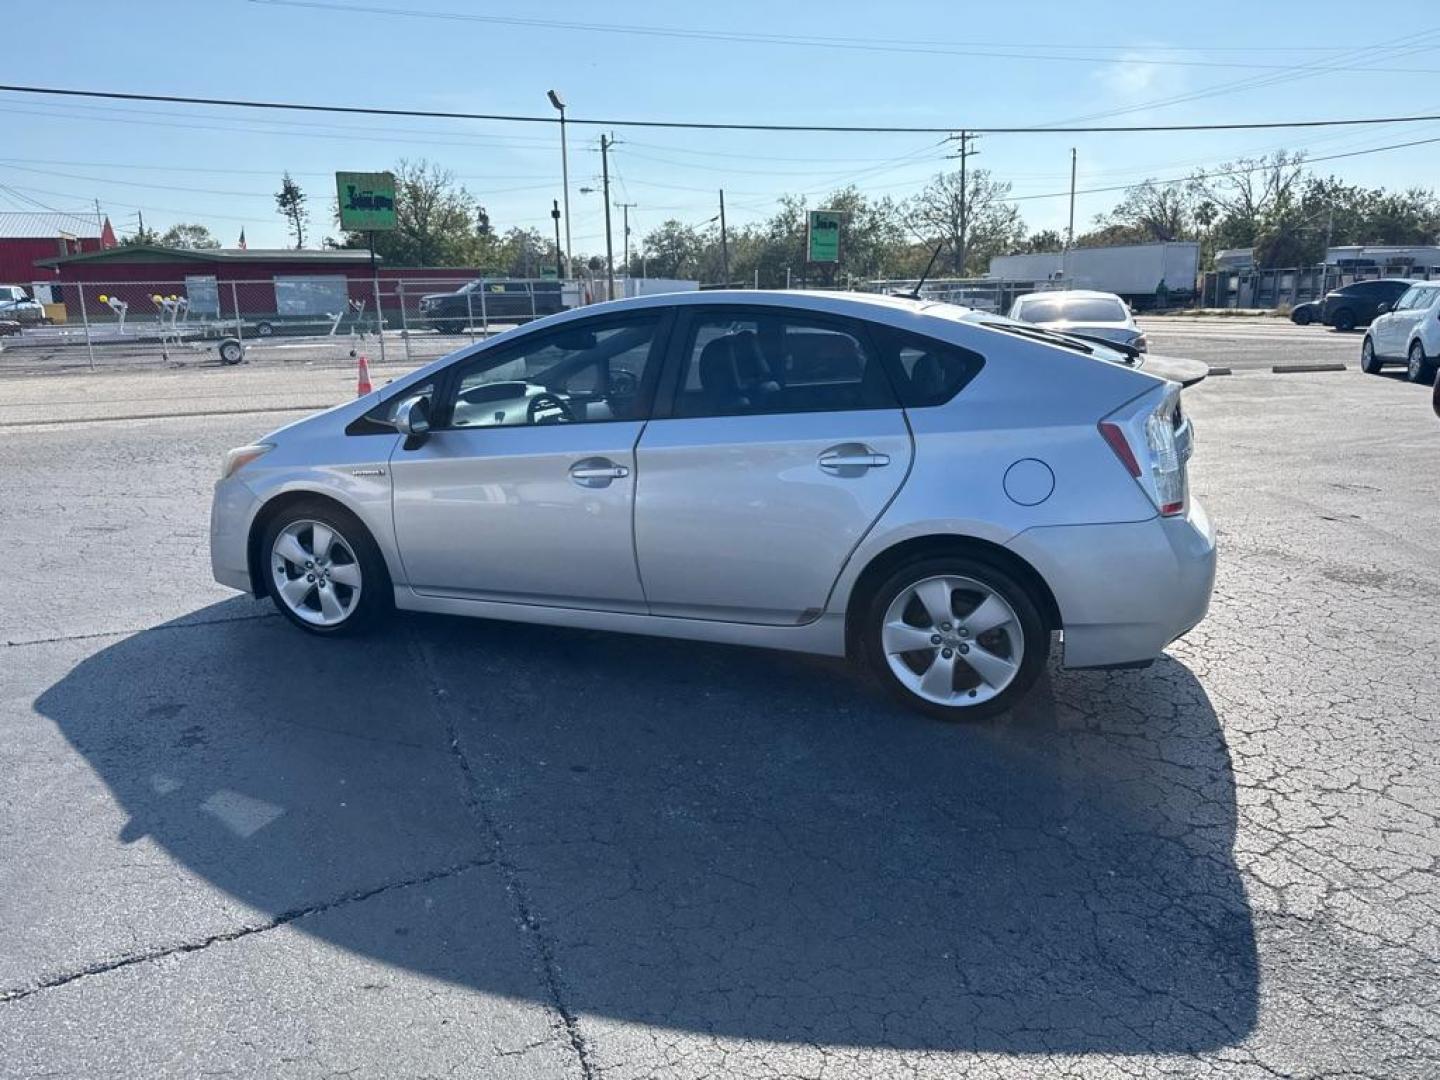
{"x":508,"y":300}
{"x":16,"y":305}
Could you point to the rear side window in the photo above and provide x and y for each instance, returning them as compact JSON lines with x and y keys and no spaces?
{"x":926,"y":371}
{"x":756,"y":362}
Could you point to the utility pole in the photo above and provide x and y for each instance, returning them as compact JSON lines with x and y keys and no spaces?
{"x":609,"y":247}
{"x":724,"y":244}
{"x":1070,"y":229}
{"x":625,"y":208}
{"x":966,"y":152}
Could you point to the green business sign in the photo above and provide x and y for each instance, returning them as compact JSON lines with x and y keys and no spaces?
{"x":367,"y":200}
{"x":824,"y":236}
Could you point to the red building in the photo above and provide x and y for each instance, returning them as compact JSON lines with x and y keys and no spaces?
{"x":27,"y":237}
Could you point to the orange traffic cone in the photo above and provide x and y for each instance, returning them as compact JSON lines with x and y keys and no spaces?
{"x":362,"y":385}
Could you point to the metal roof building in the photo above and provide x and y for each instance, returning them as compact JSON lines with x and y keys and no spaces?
{"x":26,"y":237}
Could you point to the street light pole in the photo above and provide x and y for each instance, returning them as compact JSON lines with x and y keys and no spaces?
{"x":609,"y":247}
{"x":559,"y":103}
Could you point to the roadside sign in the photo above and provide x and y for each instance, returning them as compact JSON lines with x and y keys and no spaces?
{"x":367,"y":200}
{"x":823,"y":237}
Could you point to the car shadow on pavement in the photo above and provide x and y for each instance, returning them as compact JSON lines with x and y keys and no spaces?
{"x":710,"y":839}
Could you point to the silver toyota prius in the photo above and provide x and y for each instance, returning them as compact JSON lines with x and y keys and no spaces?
{"x":904,"y":482}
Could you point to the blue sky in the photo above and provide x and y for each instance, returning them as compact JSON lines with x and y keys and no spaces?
{"x":917,"y":63}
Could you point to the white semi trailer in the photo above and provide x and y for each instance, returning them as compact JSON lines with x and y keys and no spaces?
{"x":1136,"y":272}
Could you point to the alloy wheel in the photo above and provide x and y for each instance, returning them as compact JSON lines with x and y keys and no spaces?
{"x":317,"y":575}
{"x":952,"y":640}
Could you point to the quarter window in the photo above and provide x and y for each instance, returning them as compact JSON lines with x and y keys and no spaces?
{"x":582,"y":373}
{"x":928,"y":372}
{"x":777,"y":362}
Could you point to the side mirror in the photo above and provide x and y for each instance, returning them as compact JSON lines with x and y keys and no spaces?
{"x":1385,"y":306}
{"x":412,"y":416}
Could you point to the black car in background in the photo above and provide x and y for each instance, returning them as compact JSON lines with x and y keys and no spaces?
{"x":1359,"y":302}
{"x":1306,"y":313}
{"x":507,"y":300}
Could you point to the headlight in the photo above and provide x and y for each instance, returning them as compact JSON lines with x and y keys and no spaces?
{"x":1141,"y":342}
{"x":237,"y":459}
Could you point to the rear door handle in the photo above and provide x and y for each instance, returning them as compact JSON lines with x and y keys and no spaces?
{"x":852,"y":460}
{"x":597,"y":472}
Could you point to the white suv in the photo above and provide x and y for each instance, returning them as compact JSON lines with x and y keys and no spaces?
{"x":1410,"y":331}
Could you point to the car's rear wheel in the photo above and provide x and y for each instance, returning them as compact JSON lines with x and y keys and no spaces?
{"x":1369,"y":361}
{"x":955,"y":637}
{"x":1344,"y":319}
{"x":1417,"y":367}
{"x":323,"y":570}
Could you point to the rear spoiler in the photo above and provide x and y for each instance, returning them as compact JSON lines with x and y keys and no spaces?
{"x":1175,"y":368}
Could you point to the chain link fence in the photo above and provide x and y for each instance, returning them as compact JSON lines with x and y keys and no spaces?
{"x":312,"y":319}
{"x":1273,"y":288}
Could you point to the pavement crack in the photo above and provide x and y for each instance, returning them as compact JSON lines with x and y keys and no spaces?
{"x":59,"y":639}
{"x":284,"y":918}
{"x":476,"y":805}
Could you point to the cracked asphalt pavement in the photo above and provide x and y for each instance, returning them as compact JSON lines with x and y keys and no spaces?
{"x":461,"y":848}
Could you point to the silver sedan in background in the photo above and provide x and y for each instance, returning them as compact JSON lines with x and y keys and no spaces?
{"x":1082,"y":313}
{"x":838,"y":474}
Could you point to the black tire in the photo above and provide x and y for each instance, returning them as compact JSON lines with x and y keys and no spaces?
{"x":1417,"y":368}
{"x":230,"y":351}
{"x":1302,"y":317}
{"x":450,"y":327}
{"x":377,"y":598}
{"x":264,"y":329}
{"x":1035,"y":635}
{"x":1344,"y":319}
{"x":1370,"y":362}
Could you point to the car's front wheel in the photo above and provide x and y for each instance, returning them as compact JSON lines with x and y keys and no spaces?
{"x":1417,"y":367}
{"x":1344,"y":319}
{"x":1369,"y":362}
{"x":1302,"y":317}
{"x":955,"y":637}
{"x":323,"y":569}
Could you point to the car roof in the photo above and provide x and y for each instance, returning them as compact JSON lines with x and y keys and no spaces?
{"x":1068,"y":294}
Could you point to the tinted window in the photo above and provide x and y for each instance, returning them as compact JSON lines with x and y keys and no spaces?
{"x":1076,"y":310}
{"x":780,"y":362}
{"x":926,"y":371}
{"x":586,"y":372}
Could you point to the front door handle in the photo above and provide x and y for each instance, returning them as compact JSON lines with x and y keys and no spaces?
{"x":852,"y":459}
{"x":597,"y":472}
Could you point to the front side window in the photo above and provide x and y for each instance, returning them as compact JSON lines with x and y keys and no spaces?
{"x":777,"y":362}
{"x":582,"y":373}
{"x":1411,"y":299}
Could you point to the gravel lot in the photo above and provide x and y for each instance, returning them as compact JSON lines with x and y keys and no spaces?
{"x":466,"y":848}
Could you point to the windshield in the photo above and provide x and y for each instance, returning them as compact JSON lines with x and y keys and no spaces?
{"x":1087,"y":309}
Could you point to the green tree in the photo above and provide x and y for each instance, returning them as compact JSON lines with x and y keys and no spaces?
{"x":1043,"y":241}
{"x":1152,"y":212}
{"x":975,"y":222}
{"x":188,"y":235}
{"x":290,"y":204}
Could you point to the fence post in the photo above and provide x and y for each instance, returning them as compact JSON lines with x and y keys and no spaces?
{"x":484,"y":312}
{"x":470,"y":310}
{"x":379,"y":318}
{"x":530,"y":288}
{"x":404,"y":321}
{"x":85,"y":321}
{"x":239,"y":323}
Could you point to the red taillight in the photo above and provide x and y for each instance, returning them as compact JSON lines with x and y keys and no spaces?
{"x":1172,"y":508}
{"x":1116,"y":438}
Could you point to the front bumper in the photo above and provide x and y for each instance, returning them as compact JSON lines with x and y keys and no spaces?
{"x":1125,"y":591}
{"x":232,"y":510}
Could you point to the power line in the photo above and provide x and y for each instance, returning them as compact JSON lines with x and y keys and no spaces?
{"x":961,"y":48}
{"x":697,"y":125}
